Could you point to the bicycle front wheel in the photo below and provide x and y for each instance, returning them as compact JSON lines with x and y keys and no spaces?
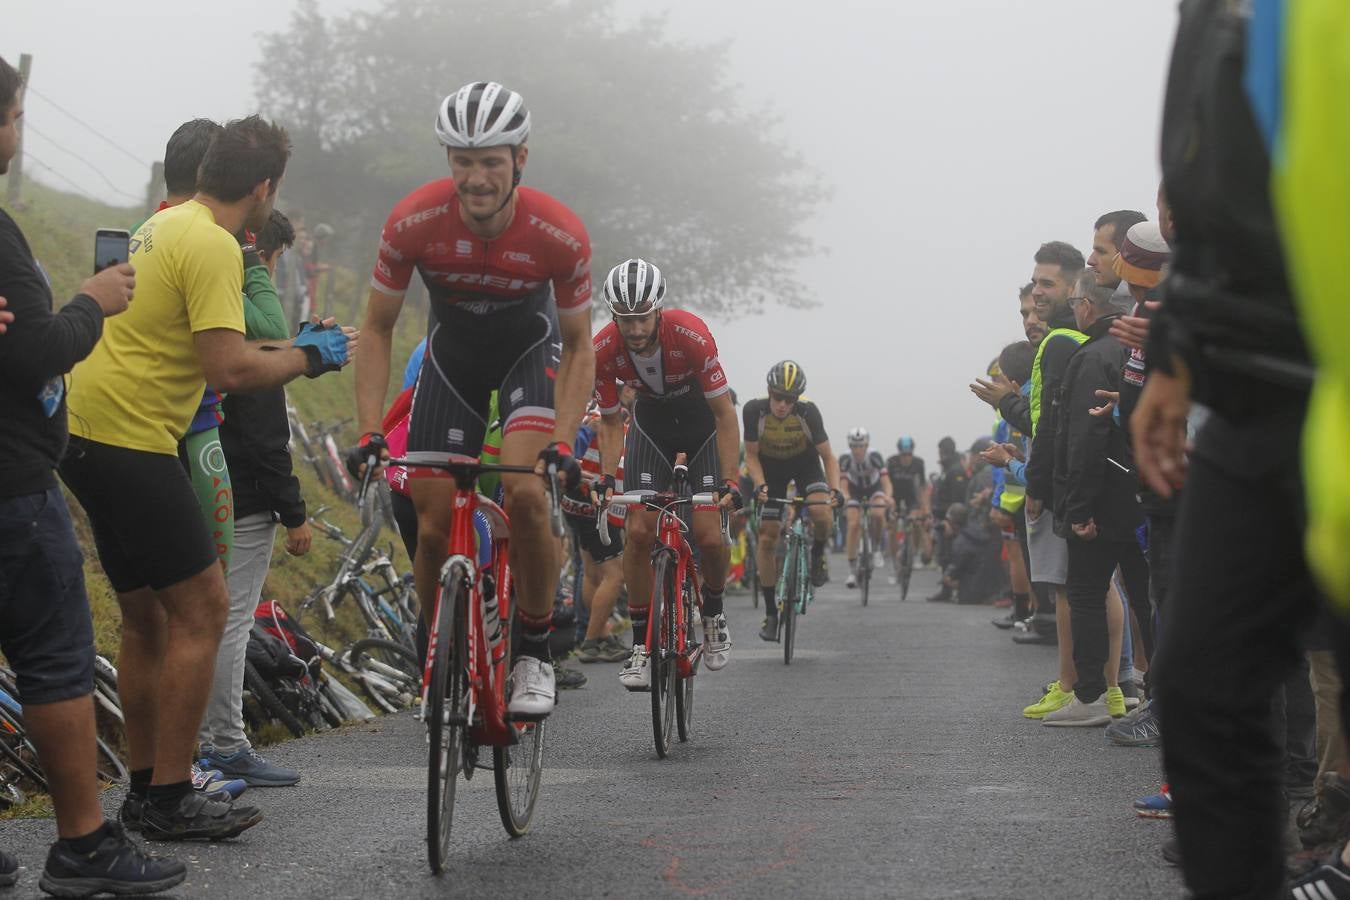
{"x":787,"y":601}
{"x":662,"y":662}
{"x":865,"y":563}
{"x":447,"y":711}
{"x":906,"y":566}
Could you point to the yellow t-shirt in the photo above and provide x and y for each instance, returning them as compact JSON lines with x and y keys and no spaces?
{"x":142,"y":384}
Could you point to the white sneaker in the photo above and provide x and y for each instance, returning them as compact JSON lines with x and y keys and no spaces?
{"x":851,"y":581}
{"x":534,"y":691}
{"x":1079,"y":714}
{"x":891,"y":579}
{"x":637,"y":674}
{"x":878,"y":560}
{"x":716,"y":642}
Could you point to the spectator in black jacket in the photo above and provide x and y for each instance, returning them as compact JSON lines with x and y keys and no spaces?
{"x":1094,"y":507}
{"x":254,"y":435}
{"x":46,"y":632}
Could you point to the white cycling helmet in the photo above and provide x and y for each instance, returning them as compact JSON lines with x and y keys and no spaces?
{"x":634,"y":288}
{"x":483,"y":114}
{"x":859,"y":437}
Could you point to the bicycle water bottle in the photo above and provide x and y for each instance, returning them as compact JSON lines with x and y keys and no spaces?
{"x":492,"y":619}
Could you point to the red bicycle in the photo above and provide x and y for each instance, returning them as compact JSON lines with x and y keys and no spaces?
{"x":465,"y":677}
{"x":676,"y":595}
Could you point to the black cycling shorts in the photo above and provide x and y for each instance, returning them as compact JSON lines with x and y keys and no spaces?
{"x":858,"y":494}
{"x":661,"y":429}
{"x":147,"y":523}
{"x":587,"y":535}
{"x":803,"y":471}
{"x":514,"y":349}
{"x":46,"y":632}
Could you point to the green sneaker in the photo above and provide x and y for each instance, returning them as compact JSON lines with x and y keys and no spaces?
{"x":1115,"y":702}
{"x":1054,"y":699}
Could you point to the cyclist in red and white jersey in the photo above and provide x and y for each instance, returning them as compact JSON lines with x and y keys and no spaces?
{"x":683,"y":405}
{"x":508,"y":271}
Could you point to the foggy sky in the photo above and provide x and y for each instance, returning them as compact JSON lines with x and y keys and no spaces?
{"x":956,"y":135}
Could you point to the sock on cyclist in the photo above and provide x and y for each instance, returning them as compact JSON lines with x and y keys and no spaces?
{"x":818,"y":549}
{"x":167,"y":794}
{"x":770,"y":605}
{"x":712,"y":602}
{"x":639,"y":615}
{"x":140,"y":782}
{"x":534,"y":636}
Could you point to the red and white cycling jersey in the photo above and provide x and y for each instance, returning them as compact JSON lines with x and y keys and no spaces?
{"x":685,"y":358}
{"x":544,"y":244}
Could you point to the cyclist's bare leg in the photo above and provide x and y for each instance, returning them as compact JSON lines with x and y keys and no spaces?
{"x":821,"y":516}
{"x":433,"y":498}
{"x":534,"y":551}
{"x":769,"y":533}
{"x":877,"y":515}
{"x":714,"y":554}
{"x":854,"y":535}
{"x":639,"y":538}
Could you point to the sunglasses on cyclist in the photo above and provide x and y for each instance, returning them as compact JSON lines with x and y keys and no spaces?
{"x":782,"y":398}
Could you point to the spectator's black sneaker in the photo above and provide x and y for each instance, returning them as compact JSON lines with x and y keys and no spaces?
{"x":130,"y":813}
{"x":1328,"y":881}
{"x":1035,"y":637}
{"x":567,"y":679}
{"x":9,"y":869}
{"x":1007,"y":621}
{"x":117,"y":867}
{"x":196,"y":816}
{"x":1171,"y":852}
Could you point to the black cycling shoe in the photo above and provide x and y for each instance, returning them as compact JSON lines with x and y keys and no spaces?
{"x":133,"y":807}
{"x":9,"y":869}
{"x":820,"y":576}
{"x":118,"y":866}
{"x":769,"y":630}
{"x":196,"y":816}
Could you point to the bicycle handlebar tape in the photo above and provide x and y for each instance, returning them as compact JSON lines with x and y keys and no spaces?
{"x":325,"y":348}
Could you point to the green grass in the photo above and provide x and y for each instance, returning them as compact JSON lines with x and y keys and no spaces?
{"x":60,"y":229}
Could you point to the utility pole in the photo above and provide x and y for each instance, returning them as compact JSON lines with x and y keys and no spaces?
{"x":154,"y":193}
{"x":15,"y":177}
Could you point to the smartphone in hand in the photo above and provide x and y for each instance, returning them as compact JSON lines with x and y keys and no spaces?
{"x":112,"y":246}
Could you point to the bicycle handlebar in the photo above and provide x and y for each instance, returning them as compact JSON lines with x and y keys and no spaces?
{"x":468,"y":469}
{"x":660,"y":503}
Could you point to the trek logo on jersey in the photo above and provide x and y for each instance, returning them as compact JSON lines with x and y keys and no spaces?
{"x":604,"y":342}
{"x":517,"y":256}
{"x":583,"y":289}
{"x":419,"y":217}
{"x":464,"y":248}
{"x":486,"y":280}
{"x":383,"y":267}
{"x":554,"y":231}
{"x":691,"y":334}
{"x":389,"y":250}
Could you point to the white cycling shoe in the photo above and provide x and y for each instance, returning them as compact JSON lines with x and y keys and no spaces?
{"x":716,"y":642}
{"x":534,"y":690}
{"x":637,"y":674}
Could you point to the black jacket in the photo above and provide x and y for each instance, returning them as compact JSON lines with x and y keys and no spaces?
{"x":1016,"y":411}
{"x":1131,"y":388}
{"x":1054,"y":363}
{"x":976,"y":561}
{"x":1228,"y":307}
{"x":36,"y":353}
{"x":254,"y":436}
{"x":951,"y":487}
{"x":1086,"y":484}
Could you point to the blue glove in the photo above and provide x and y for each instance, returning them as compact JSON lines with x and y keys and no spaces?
{"x":325,"y":348}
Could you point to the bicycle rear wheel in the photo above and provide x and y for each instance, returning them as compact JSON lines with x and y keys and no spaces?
{"x":788,"y":602}
{"x":447,"y":712}
{"x":518,"y":771}
{"x":684,"y":691}
{"x":752,"y":563}
{"x":662,"y":663}
{"x":865,"y":561}
{"x":271,"y":704}
{"x":906,"y":566}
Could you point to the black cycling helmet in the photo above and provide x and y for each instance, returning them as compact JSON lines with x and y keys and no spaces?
{"x":787,"y":378}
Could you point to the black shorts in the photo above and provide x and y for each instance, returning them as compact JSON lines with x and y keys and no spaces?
{"x":513,"y":349}
{"x":803,"y":471}
{"x":148,"y":525}
{"x":661,"y":429}
{"x":587,"y":534}
{"x":858,"y":494}
{"x":45,"y":628}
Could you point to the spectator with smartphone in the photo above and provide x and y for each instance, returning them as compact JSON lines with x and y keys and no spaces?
{"x":134,"y":397}
{"x":46,"y":632}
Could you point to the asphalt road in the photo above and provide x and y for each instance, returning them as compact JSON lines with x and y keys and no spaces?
{"x":889,"y":760}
